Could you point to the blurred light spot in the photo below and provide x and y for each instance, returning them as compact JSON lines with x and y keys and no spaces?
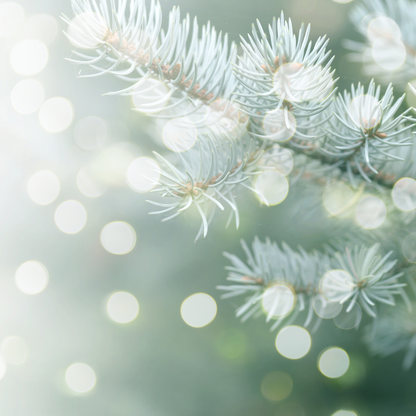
{"x":87,"y":30}
{"x":278,"y":300}
{"x":56,"y":114}
{"x":27,"y":96}
{"x":350,"y":316}
{"x":409,"y":248}
{"x":276,"y":386}
{"x":14,"y":350}
{"x":122,"y":307}
{"x":143,"y":174}
{"x":118,"y":237}
{"x":278,"y":158}
{"x":293,"y":342}
{"x":12,"y":17}
{"x":370,"y":212}
{"x":179,"y":134}
{"x":89,"y":184}
{"x":390,"y":54}
{"x":344,"y":413}
{"x":232,"y":344}
{"x":198,"y":310}
{"x":366,"y":111}
{"x":222,"y":116}
{"x":272,"y":186}
{"x":410,"y":95}
{"x":336,"y":285}
{"x":42,"y":27}
{"x":90,"y":132}
{"x":382,"y":27}
{"x":404,"y":194}
{"x":43,"y":187}
{"x":333,"y":362}
{"x":337,"y":198}
{"x":342,"y":1}
{"x":70,"y":217}
{"x":151,"y":96}
{"x":279,"y":125}
{"x":28,"y":57}
{"x":31,"y":277}
{"x":80,"y":377}
{"x":3,"y":368}
{"x":324,"y":308}
{"x":355,"y":374}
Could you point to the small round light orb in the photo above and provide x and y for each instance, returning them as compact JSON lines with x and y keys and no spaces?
{"x":31,"y":277}
{"x":179,"y":134}
{"x":409,"y":248}
{"x":27,"y":96}
{"x":80,"y":377}
{"x":324,"y":308}
{"x":404,"y":194}
{"x":279,"y":125}
{"x":42,"y":27}
{"x":198,"y":310}
{"x":333,"y":362}
{"x":370,"y":212}
{"x":143,"y":174}
{"x":151,"y":96}
{"x":87,"y":30}
{"x":293,"y":342}
{"x":390,"y":54}
{"x":342,"y":1}
{"x":278,"y":158}
{"x":276,"y":386}
{"x":28,"y":57}
{"x":222,"y":116}
{"x":43,"y":187}
{"x":12,"y":17}
{"x":3,"y":368}
{"x":70,"y":217}
{"x":336,"y":284}
{"x":118,"y":237}
{"x":344,"y":413}
{"x":272,"y":187}
{"x":56,"y":114}
{"x":14,"y":350}
{"x":89,"y":184}
{"x":278,"y":300}
{"x":350,"y":316}
{"x":383,"y":27}
{"x":122,"y":307}
{"x":91,"y":132}
{"x":337,"y":198}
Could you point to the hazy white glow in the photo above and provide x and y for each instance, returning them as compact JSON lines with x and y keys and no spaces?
{"x":222,"y":116}
{"x":333,"y":362}
{"x":382,"y":27}
{"x":31,"y":277}
{"x":91,"y":132}
{"x":278,"y":158}
{"x":122,"y":307}
{"x":390,"y":54}
{"x":118,"y":237}
{"x":27,"y":96}
{"x":151,"y":96}
{"x":43,"y":187}
{"x":366,"y":111}
{"x":409,"y":248}
{"x":350,"y":316}
{"x":293,"y":342}
{"x":87,"y":30}
{"x":338,"y":197}
{"x":344,"y":413}
{"x":3,"y":368}
{"x":179,"y":134}
{"x":28,"y":57}
{"x":404,"y":194}
{"x":335,"y":285}
{"x":324,"y":308}
{"x":143,"y":174}
{"x":12,"y":17}
{"x":370,"y":212}
{"x":272,"y":186}
{"x":88,"y":183}
{"x":14,"y":350}
{"x":278,"y":300}
{"x":279,"y":125}
{"x":56,"y":114}
{"x":276,"y":386}
{"x":80,"y":377}
{"x":342,"y":1}
{"x":198,"y":310}
{"x":42,"y":27}
{"x":70,"y":217}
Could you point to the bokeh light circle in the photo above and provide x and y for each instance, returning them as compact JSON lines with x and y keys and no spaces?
{"x":325,"y":308}
{"x":143,"y":174}
{"x":42,"y":27}
{"x":70,"y":217}
{"x":118,"y":237}
{"x":12,"y":17}
{"x":198,"y":310}
{"x":404,"y":194}
{"x":56,"y":114}
{"x":370,"y":212}
{"x":80,"y":377}
{"x":28,"y":57}
{"x":390,"y":54}
{"x":276,"y":386}
{"x":336,"y":285}
{"x":272,"y":187}
{"x":279,"y":125}
{"x":27,"y":96}
{"x":89,"y":184}
{"x":14,"y":350}
{"x":350,"y":316}
{"x":333,"y":362}
{"x":344,"y":413}
{"x":122,"y":307}
{"x":278,"y":300}
{"x":179,"y":134}
{"x":91,"y":132}
{"x":43,"y":187}
{"x":409,"y":248}
{"x":150,"y":96}
{"x":293,"y":342}
{"x":337,"y":198}
{"x":31,"y":277}
{"x":278,"y":158}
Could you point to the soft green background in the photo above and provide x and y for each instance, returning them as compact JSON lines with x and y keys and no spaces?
{"x":157,"y":365}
